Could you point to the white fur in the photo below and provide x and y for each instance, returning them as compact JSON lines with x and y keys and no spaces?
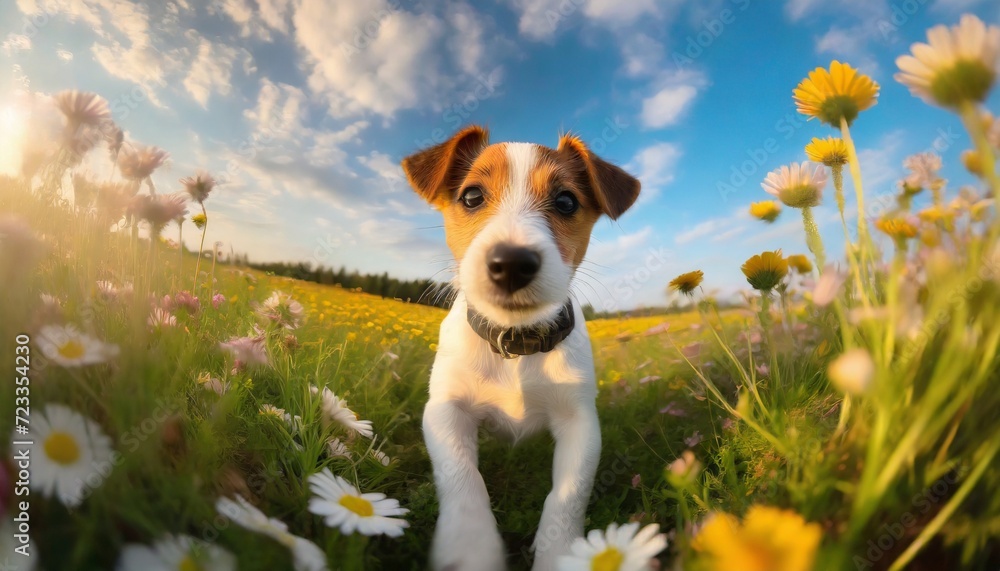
{"x":470,"y":385}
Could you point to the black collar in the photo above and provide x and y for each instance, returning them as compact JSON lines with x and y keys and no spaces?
{"x":510,"y":342}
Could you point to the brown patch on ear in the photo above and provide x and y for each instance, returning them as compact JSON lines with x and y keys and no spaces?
{"x":438,"y":170}
{"x":614,"y":189}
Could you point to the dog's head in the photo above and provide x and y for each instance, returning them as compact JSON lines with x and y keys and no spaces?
{"x":518,"y":216}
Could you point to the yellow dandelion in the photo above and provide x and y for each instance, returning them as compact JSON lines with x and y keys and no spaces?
{"x":896,"y":228}
{"x":767,"y":210}
{"x":839,"y":93}
{"x":935,"y":214}
{"x":765,"y":270}
{"x":973,"y":162}
{"x":687,"y":283}
{"x":768,"y":539}
{"x":831,"y":151}
{"x":956,"y":66}
{"x":199,"y":220}
{"x":800,"y":263}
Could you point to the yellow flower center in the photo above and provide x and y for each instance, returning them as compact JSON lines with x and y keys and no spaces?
{"x":72,"y":349}
{"x":800,"y":196}
{"x":62,"y":448}
{"x":188,"y":564}
{"x":360,"y":506}
{"x":966,"y":81}
{"x":608,"y":560}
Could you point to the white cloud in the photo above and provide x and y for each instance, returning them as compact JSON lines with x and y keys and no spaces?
{"x":541,"y":19}
{"x":642,"y":55}
{"x":654,"y":167}
{"x":280,"y":110}
{"x":378,"y":58}
{"x":258,"y":18}
{"x":666,"y":106}
{"x":15,"y":43}
{"x":64,"y":55}
{"x":211,"y":71}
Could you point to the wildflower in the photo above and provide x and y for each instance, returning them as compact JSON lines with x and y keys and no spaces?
{"x":923,"y":169}
{"x":896,"y":228}
{"x":82,"y":108}
{"x":619,"y":548}
{"x":686,"y":468}
{"x":343,"y":507}
{"x":695,"y":439}
{"x":187,"y":301}
{"x":687,"y":283}
{"x":800,"y":263}
{"x":198,"y":186}
{"x":769,"y":539}
{"x":271,"y":410}
{"x":828,"y":286}
{"x":831,"y":151}
{"x":798,"y":185}
{"x":335,"y":410}
{"x":765,"y":270}
{"x":835,"y":95}
{"x":246,"y":351}
{"x":956,"y":66}
{"x":767,"y":210}
{"x":307,"y":555}
{"x":382,"y":457}
{"x":176,"y":553}
{"x":281,"y":310}
{"x":852,"y":372}
{"x":138,"y":163}
{"x":217,"y":300}
{"x":69,"y":347}
{"x":159,"y":210}
{"x":72,"y":448}
{"x":337,"y":449}
{"x":199,"y":220}
{"x":159,"y":318}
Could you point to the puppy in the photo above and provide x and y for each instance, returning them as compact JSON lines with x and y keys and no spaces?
{"x":513,"y":351}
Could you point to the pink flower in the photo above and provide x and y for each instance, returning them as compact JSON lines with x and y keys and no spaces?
{"x":246,"y":351}
{"x":828,"y":286}
{"x":138,"y":163}
{"x":636,"y":480}
{"x":186,"y":301}
{"x":82,"y":108}
{"x":673,"y":409}
{"x":159,"y":210}
{"x":217,"y":300}
{"x":694,"y":440}
{"x":198,"y":186}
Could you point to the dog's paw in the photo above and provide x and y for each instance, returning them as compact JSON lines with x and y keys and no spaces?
{"x":468,"y":544}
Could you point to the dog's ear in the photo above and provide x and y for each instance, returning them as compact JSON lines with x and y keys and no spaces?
{"x":438,"y":170}
{"x":614,"y":189}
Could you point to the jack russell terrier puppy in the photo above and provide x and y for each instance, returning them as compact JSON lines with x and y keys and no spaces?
{"x":514,"y":350}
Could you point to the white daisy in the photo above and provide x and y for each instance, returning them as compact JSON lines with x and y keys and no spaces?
{"x":956,"y":66}
{"x":618,"y":549}
{"x":306,"y":554}
{"x":73,"y":450}
{"x":337,"y":449}
{"x":343,"y":507}
{"x":271,"y":410}
{"x":176,"y":553}
{"x":382,"y":457}
{"x":161,"y":318}
{"x":798,"y":185}
{"x":281,"y":310}
{"x":335,"y":410}
{"x":67,"y":346}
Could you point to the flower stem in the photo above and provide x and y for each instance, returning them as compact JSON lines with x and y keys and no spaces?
{"x":864,"y":241}
{"x":813,"y":240}
{"x":974,"y":125}
{"x":201,"y":246}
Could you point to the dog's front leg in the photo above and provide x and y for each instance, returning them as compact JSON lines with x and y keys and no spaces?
{"x":466,"y":536}
{"x":577,"y":453}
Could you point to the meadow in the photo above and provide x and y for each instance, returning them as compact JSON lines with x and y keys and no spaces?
{"x":187,"y":413}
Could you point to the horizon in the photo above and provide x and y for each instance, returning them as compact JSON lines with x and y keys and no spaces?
{"x":307,"y":131}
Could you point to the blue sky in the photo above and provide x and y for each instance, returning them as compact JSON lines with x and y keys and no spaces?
{"x":306,"y":107}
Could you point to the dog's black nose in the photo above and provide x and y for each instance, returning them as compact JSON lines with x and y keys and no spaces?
{"x":512,"y":267}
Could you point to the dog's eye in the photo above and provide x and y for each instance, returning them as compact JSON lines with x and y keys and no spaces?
{"x":472,"y":197}
{"x":566,"y":203}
